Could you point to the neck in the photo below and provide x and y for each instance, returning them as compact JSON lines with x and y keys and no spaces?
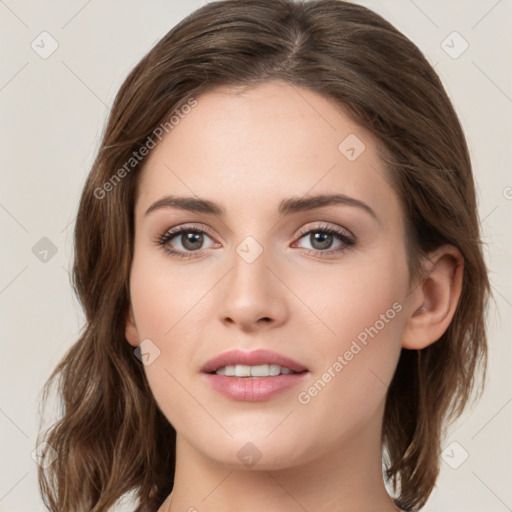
{"x":346,"y":479}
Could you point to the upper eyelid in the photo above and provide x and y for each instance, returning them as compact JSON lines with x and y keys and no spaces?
{"x":201,"y":227}
{"x":325,"y":225}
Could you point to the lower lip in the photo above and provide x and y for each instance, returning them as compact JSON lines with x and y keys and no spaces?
{"x":248,"y":389}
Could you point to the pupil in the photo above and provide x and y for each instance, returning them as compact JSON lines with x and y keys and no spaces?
{"x":191,"y":238}
{"x":324,"y":240}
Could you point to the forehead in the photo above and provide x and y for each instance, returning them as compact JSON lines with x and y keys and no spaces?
{"x":254,"y":146}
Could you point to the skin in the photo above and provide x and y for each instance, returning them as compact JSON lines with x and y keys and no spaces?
{"x":248,"y":150}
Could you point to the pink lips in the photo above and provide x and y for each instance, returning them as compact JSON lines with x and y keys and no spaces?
{"x":252,"y":389}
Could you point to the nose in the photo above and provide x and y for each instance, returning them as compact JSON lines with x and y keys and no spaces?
{"x":253,"y":297}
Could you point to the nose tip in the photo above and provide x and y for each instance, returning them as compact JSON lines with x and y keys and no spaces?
{"x":247,"y":317}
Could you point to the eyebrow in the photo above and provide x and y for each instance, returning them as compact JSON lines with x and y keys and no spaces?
{"x":286,"y":206}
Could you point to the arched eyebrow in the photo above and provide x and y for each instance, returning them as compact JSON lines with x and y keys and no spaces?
{"x":286,"y":206}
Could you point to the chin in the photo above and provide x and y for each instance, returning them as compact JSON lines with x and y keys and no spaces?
{"x":256,"y":452}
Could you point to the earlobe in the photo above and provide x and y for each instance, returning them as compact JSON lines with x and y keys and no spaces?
{"x":131,"y":333}
{"x":438,"y":296}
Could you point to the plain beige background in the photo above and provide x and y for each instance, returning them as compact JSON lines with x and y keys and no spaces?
{"x":53,"y":110}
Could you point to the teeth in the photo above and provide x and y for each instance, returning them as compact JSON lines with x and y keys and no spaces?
{"x":274,"y":369}
{"x":262,"y":370}
{"x":242,"y":370}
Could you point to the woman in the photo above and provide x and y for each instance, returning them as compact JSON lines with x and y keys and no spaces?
{"x":278,"y":253}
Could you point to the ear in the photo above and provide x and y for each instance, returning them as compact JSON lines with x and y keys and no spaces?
{"x":131,"y":333}
{"x":434,"y":300}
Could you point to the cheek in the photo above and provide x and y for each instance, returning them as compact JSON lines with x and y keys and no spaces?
{"x":360,"y":344}
{"x":164,"y":295}
{"x":354,"y":299}
{"x":169,"y":305}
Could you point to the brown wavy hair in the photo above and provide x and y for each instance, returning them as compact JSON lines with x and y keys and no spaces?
{"x":111,"y":438}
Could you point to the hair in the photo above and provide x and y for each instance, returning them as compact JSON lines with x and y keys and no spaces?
{"x":111,"y":438}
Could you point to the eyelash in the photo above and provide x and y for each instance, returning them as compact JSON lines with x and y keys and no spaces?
{"x":173,"y":233}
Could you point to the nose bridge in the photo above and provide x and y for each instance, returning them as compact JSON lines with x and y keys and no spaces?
{"x":250,"y":275}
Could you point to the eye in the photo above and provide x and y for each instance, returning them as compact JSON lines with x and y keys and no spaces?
{"x":191,"y":239}
{"x":321,"y":239}
{"x":183,"y":241}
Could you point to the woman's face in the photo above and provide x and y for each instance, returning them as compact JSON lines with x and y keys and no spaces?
{"x":325,"y":286}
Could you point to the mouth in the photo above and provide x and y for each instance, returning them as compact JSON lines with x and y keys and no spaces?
{"x":255,"y":363}
{"x":253,"y":376}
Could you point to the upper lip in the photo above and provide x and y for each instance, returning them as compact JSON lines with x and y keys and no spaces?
{"x":252,"y":358}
